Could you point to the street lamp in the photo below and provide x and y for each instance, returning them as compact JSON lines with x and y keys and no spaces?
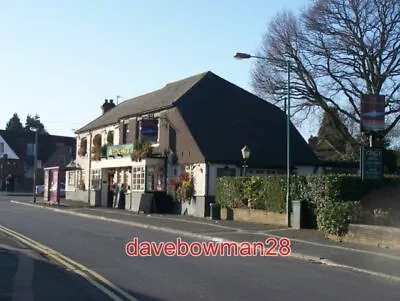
{"x":245,"y":155}
{"x":35,"y":162}
{"x":241,"y":56}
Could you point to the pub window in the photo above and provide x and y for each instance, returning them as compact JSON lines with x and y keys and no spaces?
{"x":226,"y":172}
{"x":125,"y":131}
{"x":96,"y":179}
{"x":138,"y":178}
{"x":149,"y":129}
{"x":155,"y":178}
{"x":82,"y":175}
{"x":83,"y":147}
{"x":71,"y":178}
{"x":110,"y":138}
{"x":126,"y":178}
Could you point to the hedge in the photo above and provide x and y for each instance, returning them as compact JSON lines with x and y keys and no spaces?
{"x":336,"y":198}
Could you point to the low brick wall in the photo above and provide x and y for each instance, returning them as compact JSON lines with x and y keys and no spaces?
{"x":82,"y":195}
{"x":254,"y":216}
{"x":385,"y":237}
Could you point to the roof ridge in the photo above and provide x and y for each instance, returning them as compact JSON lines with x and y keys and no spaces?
{"x":182,"y":87}
{"x":201,"y":75}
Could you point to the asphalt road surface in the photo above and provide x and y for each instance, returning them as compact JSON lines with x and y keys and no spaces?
{"x":25,"y":276}
{"x":100,"y":245}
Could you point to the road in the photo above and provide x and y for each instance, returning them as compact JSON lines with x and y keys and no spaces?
{"x":99,"y":245}
{"x":27,"y":276}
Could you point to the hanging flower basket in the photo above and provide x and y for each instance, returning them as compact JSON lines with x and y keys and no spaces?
{"x":141,"y":150}
{"x":182,"y":187}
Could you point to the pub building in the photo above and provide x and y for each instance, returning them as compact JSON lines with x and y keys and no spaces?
{"x":199,"y":125}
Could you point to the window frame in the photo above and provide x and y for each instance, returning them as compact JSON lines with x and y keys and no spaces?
{"x":153,"y":144}
{"x":138,"y":179}
{"x":95,"y":181}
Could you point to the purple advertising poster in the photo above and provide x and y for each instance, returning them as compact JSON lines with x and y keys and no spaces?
{"x":372,"y":113}
{"x":54,"y":189}
{"x":46,"y":186}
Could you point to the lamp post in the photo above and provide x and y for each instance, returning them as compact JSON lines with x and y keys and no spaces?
{"x":241,"y":56}
{"x":245,"y":155}
{"x":90,"y":166}
{"x":35,"y":162}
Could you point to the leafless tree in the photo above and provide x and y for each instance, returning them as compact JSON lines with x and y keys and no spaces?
{"x":339,"y":50}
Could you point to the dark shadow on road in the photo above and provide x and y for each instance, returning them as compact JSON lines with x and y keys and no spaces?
{"x":33,"y":278}
{"x":145,"y":297}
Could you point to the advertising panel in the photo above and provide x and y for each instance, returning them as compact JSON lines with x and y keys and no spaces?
{"x":46,"y":186}
{"x":372,"y":113}
{"x":372,"y":163}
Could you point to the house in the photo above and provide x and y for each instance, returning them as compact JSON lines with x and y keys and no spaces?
{"x":333,"y":159}
{"x":17,"y":152}
{"x":198,"y":124}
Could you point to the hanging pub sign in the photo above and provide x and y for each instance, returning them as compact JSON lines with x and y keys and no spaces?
{"x":372,"y":113}
{"x":371,"y":163}
{"x":149,"y":130}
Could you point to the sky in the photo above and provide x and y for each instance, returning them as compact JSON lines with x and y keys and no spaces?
{"x":61,"y":59}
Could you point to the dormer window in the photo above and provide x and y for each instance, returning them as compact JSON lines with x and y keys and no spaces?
{"x":149,"y":131}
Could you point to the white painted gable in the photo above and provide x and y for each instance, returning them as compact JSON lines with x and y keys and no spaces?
{"x":7,"y":150}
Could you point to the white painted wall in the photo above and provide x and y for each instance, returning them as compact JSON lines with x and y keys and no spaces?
{"x":213,"y":176}
{"x":257,"y":172}
{"x":8,"y":150}
{"x":308,"y":170}
{"x":199,"y":178}
{"x":84,"y":161}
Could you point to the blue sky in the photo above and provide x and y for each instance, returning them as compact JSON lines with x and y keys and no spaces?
{"x":61,"y":59}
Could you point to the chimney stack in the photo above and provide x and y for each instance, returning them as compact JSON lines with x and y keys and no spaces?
{"x":107,"y":105}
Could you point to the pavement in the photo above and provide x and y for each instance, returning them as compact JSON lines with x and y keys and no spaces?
{"x":26,"y":275}
{"x":96,"y":238}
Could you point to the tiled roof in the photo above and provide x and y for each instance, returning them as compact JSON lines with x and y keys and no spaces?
{"x":47,"y":144}
{"x":222,"y":118}
{"x":156,"y":100}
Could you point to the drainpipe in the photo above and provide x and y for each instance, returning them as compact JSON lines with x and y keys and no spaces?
{"x":207,"y":186}
{"x":90,"y":166}
{"x":207,"y":178}
{"x":166,"y":174}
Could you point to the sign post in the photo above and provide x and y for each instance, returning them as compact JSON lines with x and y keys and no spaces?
{"x":371,"y":164}
{"x":372,"y":122}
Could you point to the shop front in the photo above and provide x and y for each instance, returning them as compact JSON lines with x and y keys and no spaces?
{"x":141,"y":181}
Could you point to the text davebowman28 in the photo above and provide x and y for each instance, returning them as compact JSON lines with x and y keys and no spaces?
{"x":269,"y":247}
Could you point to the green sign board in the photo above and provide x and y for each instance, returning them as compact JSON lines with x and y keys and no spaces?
{"x":371,"y":163}
{"x":121,"y":150}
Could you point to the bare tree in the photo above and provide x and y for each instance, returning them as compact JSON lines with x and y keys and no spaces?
{"x":339,"y":50}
